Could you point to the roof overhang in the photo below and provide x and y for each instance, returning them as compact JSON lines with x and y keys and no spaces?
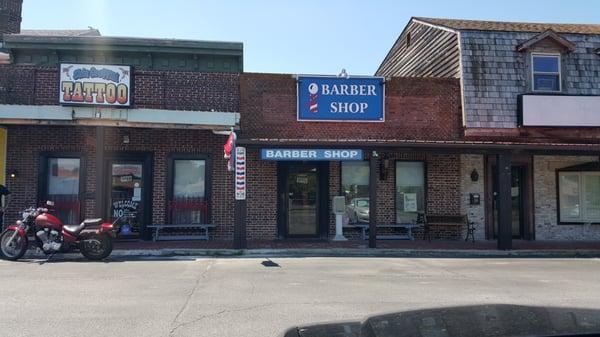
{"x":449,"y":146}
{"x":148,"y":118}
{"x":548,"y":34}
{"x":128,"y":44}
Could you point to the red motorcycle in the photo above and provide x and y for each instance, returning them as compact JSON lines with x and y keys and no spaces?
{"x":51,"y":236}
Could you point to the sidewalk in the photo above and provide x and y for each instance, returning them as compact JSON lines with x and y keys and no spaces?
{"x":417,"y":248}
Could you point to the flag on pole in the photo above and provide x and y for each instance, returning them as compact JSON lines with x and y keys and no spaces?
{"x":229,"y":150}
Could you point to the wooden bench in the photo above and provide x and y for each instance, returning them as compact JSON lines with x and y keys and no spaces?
{"x":202,"y":227}
{"x":452,"y":223}
{"x":364,"y":227}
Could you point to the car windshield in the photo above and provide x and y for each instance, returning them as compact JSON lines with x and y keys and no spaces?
{"x":362,"y":203}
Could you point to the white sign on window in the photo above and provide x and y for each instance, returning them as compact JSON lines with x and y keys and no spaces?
{"x":240,"y":173}
{"x":410,"y":202}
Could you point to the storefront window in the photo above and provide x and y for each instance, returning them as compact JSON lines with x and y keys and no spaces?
{"x":355,"y":187}
{"x":63,"y":188}
{"x":189,"y":203}
{"x":579,"y":196}
{"x":410,"y":190}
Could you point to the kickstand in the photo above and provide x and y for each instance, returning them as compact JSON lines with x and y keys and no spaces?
{"x":49,"y":258}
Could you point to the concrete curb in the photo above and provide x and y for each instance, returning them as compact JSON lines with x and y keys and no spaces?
{"x":343,"y":252}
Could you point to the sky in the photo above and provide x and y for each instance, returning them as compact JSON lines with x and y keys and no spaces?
{"x":297,"y":37}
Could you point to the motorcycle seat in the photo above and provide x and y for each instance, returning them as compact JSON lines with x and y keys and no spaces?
{"x":89,"y":222}
{"x":76,"y":229}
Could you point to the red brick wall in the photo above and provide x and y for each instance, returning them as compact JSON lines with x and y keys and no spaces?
{"x":10,"y":16}
{"x":416,"y":108}
{"x":173,"y":90}
{"x":26,"y":143}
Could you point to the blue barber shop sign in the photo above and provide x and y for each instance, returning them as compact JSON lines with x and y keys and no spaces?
{"x":340,"y":99}
{"x":311,"y":154}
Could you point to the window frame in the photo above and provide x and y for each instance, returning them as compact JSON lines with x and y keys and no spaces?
{"x":533,"y":72}
{"x":171,"y":180}
{"x":425,"y":185}
{"x":44,"y":157}
{"x":341,"y":186}
{"x":582,"y":219}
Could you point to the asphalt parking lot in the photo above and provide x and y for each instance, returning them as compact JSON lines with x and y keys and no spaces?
{"x":263,"y":297}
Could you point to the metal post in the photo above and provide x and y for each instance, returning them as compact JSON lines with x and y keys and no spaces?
{"x":239,"y":183}
{"x":373,"y":199}
{"x":100,"y":174}
{"x":504,"y":164}
{"x":239,"y":230}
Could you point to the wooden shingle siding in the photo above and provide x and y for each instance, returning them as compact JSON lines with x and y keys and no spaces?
{"x":495,"y":73}
{"x":432,"y":53}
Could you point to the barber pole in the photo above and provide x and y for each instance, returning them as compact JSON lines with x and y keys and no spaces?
{"x":240,"y":173}
{"x":313,"y":104}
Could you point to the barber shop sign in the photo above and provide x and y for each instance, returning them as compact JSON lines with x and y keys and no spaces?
{"x":95,"y":84}
{"x":346,"y":99}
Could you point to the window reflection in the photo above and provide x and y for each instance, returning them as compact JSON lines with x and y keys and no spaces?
{"x":355,"y":187}
{"x":63,"y":188}
{"x":410,"y":190}
{"x":189,"y":204}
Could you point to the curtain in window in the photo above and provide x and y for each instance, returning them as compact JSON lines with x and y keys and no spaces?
{"x":189,"y":204}
{"x":63,"y":188}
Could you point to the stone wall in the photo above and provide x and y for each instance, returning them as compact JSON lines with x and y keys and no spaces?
{"x":476,"y":213}
{"x":545,"y":195}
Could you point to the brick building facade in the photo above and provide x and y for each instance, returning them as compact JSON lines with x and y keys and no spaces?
{"x":533,"y":87}
{"x":416,"y":110}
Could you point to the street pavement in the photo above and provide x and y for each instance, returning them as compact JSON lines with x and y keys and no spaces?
{"x":246,"y":297}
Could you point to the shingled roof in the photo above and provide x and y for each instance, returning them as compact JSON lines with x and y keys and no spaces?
{"x":61,"y":32}
{"x":458,"y":24}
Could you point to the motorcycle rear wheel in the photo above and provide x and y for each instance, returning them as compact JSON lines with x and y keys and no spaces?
{"x":15,"y":249}
{"x":96,"y":246}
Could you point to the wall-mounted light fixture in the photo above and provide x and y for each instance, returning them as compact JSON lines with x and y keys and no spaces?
{"x":474,"y":175}
{"x":13,"y":174}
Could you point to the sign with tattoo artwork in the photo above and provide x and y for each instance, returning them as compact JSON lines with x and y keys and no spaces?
{"x":95,"y":84}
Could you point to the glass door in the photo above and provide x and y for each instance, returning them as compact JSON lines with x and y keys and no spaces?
{"x":516,"y":192}
{"x":127,"y":195}
{"x":302,"y":201}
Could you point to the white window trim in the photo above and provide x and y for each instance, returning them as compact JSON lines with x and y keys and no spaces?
{"x":583,"y":211}
{"x":559,"y":73}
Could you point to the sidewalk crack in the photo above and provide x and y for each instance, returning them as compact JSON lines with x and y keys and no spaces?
{"x":188,"y":298}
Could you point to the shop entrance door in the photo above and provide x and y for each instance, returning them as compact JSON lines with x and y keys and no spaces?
{"x":300,"y":199}
{"x":128,"y":193}
{"x":517,"y":192}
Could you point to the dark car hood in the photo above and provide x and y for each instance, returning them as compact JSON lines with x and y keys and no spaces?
{"x":466,"y":321}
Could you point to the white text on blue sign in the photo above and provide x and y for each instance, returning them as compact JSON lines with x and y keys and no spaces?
{"x":312,"y":154}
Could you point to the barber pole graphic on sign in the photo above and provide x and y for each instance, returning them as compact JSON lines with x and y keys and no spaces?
{"x":240,"y":173}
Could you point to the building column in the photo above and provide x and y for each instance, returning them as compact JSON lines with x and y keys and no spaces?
{"x":373,"y":199}
{"x":239,"y":226}
{"x":504,"y":165}
{"x":100,"y":174}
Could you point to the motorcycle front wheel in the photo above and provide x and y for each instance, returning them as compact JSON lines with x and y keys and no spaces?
{"x":96,"y":246}
{"x":12,"y":249}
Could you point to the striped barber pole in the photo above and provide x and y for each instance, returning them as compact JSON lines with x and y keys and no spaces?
{"x":240,"y":173}
{"x":313,"y":91}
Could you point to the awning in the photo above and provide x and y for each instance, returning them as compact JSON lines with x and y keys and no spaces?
{"x":152,"y":118}
{"x":449,"y":146}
